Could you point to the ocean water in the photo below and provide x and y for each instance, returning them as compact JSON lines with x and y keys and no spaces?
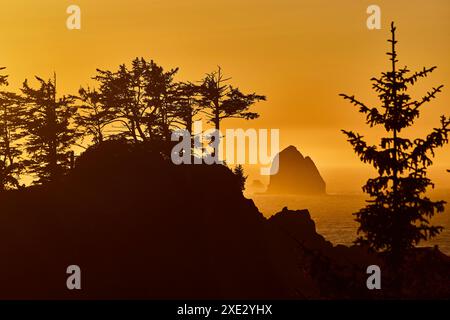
{"x":333,"y":214}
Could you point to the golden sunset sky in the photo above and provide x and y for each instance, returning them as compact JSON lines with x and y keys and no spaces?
{"x":299,"y":53}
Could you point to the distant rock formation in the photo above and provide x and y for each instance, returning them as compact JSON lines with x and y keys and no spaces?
{"x":296,"y":175}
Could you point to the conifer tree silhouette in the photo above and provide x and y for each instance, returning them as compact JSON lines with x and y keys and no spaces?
{"x":188,"y":107}
{"x":141,"y":99}
{"x":147,"y":102}
{"x":398,"y":214}
{"x":49,"y":130}
{"x":222,"y":101}
{"x":162,"y":94}
{"x":92,"y":116}
{"x":122,"y":93}
{"x":188,"y":104}
{"x":240,"y":175}
{"x":11,"y":134}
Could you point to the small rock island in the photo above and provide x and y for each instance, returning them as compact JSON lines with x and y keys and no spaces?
{"x":296,"y":175}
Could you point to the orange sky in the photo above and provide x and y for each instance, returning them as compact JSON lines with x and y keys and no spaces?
{"x":299,"y":53}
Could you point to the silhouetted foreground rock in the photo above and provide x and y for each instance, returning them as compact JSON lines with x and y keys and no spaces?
{"x":296,"y":174}
{"x":340,"y":271}
{"x":140,"y":227}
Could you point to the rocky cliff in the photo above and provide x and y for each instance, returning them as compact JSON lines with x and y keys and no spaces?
{"x":140,"y":227}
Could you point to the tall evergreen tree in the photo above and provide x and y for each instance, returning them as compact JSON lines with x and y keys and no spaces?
{"x":49,"y":129}
{"x":188,"y":105}
{"x":222,"y":101}
{"x":141,"y":99}
{"x":11,"y":135}
{"x":123,"y":95}
{"x":162,"y":95}
{"x":92,"y":117}
{"x":397,"y":216}
{"x":188,"y":108}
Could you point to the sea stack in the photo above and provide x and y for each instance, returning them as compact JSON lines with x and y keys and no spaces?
{"x":296,"y":175}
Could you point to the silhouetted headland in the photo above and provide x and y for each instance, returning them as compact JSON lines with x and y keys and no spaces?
{"x":141,"y":227}
{"x":296,"y":174}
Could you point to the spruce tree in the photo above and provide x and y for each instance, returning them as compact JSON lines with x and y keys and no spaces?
{"x":222,"y":101}
{"x":122,"y":94}
{"x":92,"y":117}
{"x":11,"y":136}
{"x":397,"y":216}
{"x":162,"y":94}
{"x":140,"y":99}
{"x":188,"y":103}
{"x":49,"y":129}
{"x":240,"y":176}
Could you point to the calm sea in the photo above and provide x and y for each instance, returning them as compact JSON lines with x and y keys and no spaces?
{"x":333,"y":214}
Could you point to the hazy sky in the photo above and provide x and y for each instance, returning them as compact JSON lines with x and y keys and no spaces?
{"x":299,"y":53}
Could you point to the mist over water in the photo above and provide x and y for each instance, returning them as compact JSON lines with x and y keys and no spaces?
{"x":333,"y":214}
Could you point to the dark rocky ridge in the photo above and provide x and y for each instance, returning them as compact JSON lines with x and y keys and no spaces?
{"x":296,"y":174}
{"x":142,"y":228}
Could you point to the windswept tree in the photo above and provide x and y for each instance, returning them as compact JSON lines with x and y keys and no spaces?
{"x":188,"y":102}
{"x":187,"y":112}
{"x":11,"y":135}
{"x":221,"y":100}
{"x":397,"y":217}
{"x":49,"y":129}
{"x":123,"y":94}
{"x":141,"y":100}
{"x":162,"y":96}
{"x":92,"y":116}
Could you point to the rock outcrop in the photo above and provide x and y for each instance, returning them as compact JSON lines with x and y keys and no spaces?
{"x":140,"y":227}
{"x":296,"y":174}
